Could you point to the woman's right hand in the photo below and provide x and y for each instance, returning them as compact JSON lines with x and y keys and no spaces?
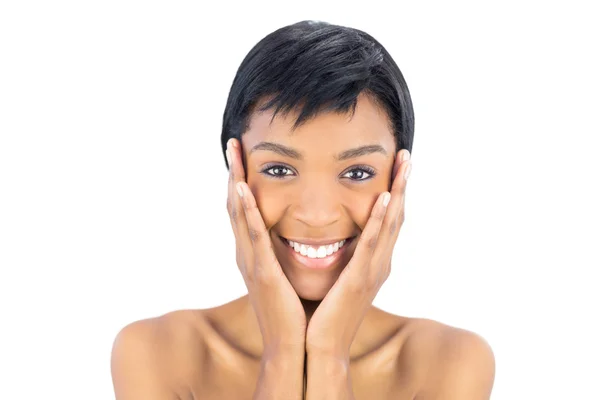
{"x":280,"y":313}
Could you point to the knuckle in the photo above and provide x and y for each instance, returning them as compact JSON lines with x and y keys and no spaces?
{"x":371,"y":242}
{"x":235,"y":215}
{"x":393,"y":226}
{"x":256,"y":235}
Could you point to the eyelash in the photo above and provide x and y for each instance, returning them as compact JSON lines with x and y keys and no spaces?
{"x":363,"y":168}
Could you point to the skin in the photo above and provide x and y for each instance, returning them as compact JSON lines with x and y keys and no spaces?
{"x":325,"y":319}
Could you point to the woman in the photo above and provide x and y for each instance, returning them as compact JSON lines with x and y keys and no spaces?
{"x":317,"y":134}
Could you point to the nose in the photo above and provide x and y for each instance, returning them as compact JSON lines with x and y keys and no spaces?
{"x":317,"y":205}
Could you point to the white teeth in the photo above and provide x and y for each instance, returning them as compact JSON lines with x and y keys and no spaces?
{"x":322,"y":252}
{"x":316,"y":252}
{"x":303,"y":250}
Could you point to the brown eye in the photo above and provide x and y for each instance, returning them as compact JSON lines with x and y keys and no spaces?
{"x":359,"y":173}
{"x":278,"y":171}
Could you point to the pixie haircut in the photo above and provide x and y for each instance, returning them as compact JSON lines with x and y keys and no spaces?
{"x":320,"y":67}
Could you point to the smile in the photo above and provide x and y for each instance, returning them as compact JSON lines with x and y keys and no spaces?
{"x":317,"y":257}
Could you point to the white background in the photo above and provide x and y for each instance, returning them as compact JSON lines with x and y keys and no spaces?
{"x":113,"y":186}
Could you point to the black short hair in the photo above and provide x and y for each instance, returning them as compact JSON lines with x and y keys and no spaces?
{"x":321,"y":67}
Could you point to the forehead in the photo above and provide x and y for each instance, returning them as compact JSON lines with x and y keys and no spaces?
{"x":369,"y":125}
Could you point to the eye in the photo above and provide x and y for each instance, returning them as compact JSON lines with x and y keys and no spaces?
{"x":361,"y":171}
{"x":280,"y":171}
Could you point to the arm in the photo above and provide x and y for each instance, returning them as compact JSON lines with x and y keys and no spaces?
{"x":281,"y":376}
{"x":136,"y":372}
{"x":328,"y":378}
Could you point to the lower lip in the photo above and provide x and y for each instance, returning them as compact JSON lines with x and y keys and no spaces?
{"x":318,"y":263}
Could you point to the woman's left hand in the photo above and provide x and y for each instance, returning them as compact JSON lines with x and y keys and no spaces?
{"x":336,"y":320}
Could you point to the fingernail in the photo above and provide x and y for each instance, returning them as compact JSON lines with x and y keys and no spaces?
{"x":240,"y":191}
{"x":406,"y":155}
{"x":407,"y":172}
{"x":386,"y":199}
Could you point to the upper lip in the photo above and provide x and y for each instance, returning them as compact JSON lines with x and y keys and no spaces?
{"x":316,"y":242}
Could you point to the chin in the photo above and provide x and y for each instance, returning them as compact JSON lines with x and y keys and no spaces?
{"x":311,"y":287}
{"x":312,"y":295}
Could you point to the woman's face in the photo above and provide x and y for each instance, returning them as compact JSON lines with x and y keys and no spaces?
{"x":307,"y":193}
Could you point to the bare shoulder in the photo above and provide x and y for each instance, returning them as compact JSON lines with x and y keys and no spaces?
{"x":152,"y":358}
{"x":451,"y":363}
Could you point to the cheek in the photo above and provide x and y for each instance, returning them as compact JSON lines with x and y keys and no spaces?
{"x":359,"y":207}
{"x":360,"y":203}
{"x":271,"y":203}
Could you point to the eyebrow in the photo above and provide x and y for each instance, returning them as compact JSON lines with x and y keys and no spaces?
{"x":295,"y":154}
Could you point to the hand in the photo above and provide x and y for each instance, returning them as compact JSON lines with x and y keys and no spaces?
{"x":280,"y":314}
{"x":336,"y":320}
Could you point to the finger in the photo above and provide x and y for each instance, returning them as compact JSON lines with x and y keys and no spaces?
{"x":367,"y":241}
{"x":236,"y":209}
{"x":392,"y":222}
{"x":399,"y":169}
{"x":265,"y":262}
{"x":234,"y":205}
{"x":395,"y":215}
